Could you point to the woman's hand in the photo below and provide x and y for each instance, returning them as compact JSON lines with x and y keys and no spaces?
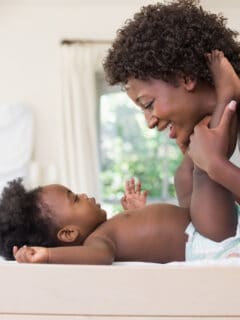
{"x":133,"y":197}
{"x":206,"y":145}
{"x":31,"y":254}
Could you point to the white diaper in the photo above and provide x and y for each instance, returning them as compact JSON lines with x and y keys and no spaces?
{"x":201,"y":248}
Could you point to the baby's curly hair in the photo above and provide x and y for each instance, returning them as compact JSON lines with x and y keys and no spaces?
{"x":164,"y":41}
{"x":22,"y":220}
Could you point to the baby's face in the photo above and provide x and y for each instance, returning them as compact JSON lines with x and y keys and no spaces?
{"x":72,"y":209}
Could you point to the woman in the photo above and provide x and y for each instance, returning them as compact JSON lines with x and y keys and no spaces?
{"x":160,"y":58}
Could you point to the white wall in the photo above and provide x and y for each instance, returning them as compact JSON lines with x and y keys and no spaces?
{"x":30,"y":35}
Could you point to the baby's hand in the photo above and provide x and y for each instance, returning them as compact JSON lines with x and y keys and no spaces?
{"x":31,"y":254}
{"x":133,"y":197}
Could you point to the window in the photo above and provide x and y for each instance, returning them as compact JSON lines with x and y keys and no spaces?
{"x":128,"y":148}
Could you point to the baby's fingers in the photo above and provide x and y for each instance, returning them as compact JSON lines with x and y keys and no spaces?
{"x":144,"y":196}
{"x":144,"y":193}
{"x":15,"y":250}
{"x":130,"y":186}
{"x":18,"y":252}
{"x":24,"y":254}
{"x":138,"y":187}
{"x":124,"y":202}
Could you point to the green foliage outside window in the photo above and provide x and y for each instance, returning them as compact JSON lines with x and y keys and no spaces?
{"x":128,"y":148}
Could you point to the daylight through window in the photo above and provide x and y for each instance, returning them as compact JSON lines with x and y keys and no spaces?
{"x":128,"y":148}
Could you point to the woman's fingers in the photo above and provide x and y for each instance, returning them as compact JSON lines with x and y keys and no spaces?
{"x":227,"y":116}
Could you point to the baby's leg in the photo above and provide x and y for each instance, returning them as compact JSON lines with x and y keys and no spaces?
{"x":212,"y":206}
{"x":226,"y":82}
{"x":212,"y":209}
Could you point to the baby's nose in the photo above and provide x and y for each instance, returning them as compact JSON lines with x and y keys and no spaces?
{"x":83,"y":195}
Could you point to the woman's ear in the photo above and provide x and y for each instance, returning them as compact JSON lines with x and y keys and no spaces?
{"x":68,"y":233}
{"x":189,"y":83}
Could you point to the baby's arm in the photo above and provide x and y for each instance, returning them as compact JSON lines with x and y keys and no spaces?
{"x":134,"y":197}
{"x":97,"y":251}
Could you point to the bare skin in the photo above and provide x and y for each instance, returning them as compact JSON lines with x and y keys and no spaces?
{"x":183,"y":181}
{"x":210,"y":148}
{"x":153,"y":233}
{"x":205,"y":141}
{"x":178,"y":107}
{"x":134,"y":197}
{"x":224,"y":220}
{"x":226,"y":82}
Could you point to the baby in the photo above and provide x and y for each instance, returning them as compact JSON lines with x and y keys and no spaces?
{"x":74,"y":228}
{"x":51,"y":224}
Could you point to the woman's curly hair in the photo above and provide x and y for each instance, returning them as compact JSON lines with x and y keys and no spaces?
{"x":164,"y":41}
{"x":22,"y":221}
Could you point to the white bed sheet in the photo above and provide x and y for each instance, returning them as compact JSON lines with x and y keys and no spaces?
{"x":125,"y":290}
{"x":233,"y":261}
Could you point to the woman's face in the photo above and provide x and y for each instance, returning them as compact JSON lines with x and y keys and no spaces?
{"x":177,"y":107}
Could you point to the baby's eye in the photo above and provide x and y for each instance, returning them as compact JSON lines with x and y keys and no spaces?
{"x":76,"y":198}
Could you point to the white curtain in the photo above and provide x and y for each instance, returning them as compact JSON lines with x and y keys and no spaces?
{"x":16,"y":142}
{"x":79,"y":153}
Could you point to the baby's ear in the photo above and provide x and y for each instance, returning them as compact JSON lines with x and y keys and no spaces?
{"x":68,"y":233}
{"x":189,"y":83}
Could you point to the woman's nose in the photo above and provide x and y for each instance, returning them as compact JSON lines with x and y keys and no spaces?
{"x":152,"y":122}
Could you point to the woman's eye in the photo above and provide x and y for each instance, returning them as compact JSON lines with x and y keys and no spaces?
{"x":149,"y":105}
{"x":76,"y":198}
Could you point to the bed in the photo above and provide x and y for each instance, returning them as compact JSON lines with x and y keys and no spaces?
{"x":131,"y":291}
